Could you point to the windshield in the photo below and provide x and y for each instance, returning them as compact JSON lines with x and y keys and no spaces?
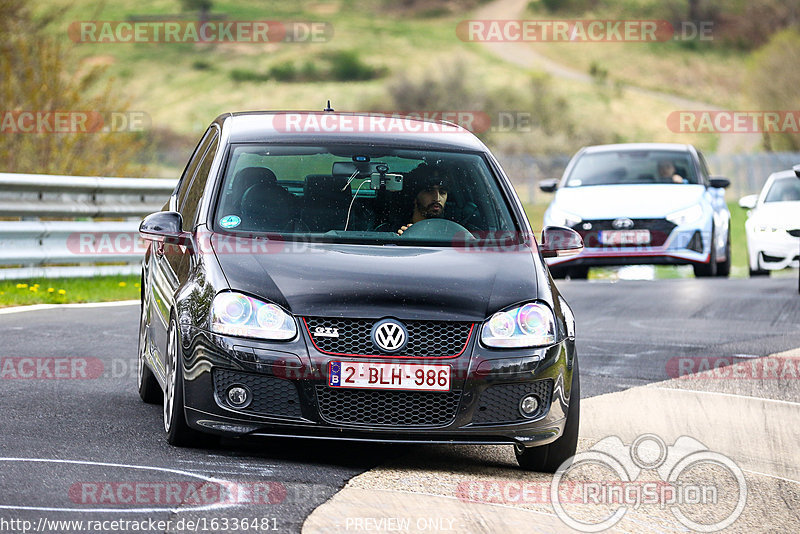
{"x":361,"y":194}
{"x":633,"y":167}
{"x":784,"y":190}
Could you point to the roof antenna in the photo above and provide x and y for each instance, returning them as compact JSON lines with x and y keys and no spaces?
{"x":329,"y":108}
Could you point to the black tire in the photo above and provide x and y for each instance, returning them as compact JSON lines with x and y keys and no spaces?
{"x":149,"y":390}
{"x":178,"y":432}
{"x":703,"y":270}
{"x":548,"y":458}
{"x":724,"y":267}
{"x":758,"y":271}
{"x":578,"y":273}
{"x":558,"y":273}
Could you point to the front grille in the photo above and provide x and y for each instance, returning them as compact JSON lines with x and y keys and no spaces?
{"x":500,"y":404}
{"x":387,"y":408}
{"x":659,"y":231}
{"x":426,"y":339}
{"x":271,"y":396}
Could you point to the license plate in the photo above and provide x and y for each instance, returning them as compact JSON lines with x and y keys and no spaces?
{"x":405,"y":376}
{"x":625,"y":237}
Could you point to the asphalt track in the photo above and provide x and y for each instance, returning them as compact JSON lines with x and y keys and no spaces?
{"x":76,"y":443}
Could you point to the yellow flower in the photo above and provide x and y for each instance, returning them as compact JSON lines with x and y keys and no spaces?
{"x":136,"y":285}
{"x":22,"y":286}
{"x":62,"y":292}
{"x":36,"y":285}
{"x":122,"y":284}
{"x":34,"y":289}
{"x":50,"y":289}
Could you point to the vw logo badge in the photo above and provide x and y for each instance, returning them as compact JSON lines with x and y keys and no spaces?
{"x":623,"y":223}
{"x":389,"y":335}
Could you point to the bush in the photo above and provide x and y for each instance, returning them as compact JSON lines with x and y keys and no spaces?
{"x":340,"y":66}
{"x":283,"y":72}
{"x":202,"y":65}
{"x":346,"y":65}
{"x":35,"y":76}
{"x":246,"y":75}
{"x":452,"y":86}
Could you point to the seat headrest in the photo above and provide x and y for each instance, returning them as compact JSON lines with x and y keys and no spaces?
{"x":250,"y":176}
{"x":326,"y":186}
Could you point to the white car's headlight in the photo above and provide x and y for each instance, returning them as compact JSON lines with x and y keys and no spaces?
{"x":687,"y":215}
{"x":558,"y":217}
{"x":529,"y":325}
{"x":239,"y":315}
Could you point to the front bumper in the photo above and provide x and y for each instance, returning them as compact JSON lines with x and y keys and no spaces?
{"x":682,"y":246}
{"x":291,"y":397}
{"x":773,"y":250}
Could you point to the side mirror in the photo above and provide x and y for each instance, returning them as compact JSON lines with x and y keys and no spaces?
{"x":558,"y":241}
{"x":719,"y":181}
{"x":796,"y":170}
{"x":164,"y":226}
{"x":748,"y":202}
{"x":794,"y":233}
{"x":548,"y":186}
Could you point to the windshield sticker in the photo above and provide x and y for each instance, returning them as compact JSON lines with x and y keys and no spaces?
{"x":230,"y":221}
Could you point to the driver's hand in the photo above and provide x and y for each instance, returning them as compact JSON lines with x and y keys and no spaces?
{"x":404,"y":228}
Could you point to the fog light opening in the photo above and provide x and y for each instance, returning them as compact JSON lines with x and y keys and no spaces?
{"x":239,"y":396}
{"x":529,"y":405}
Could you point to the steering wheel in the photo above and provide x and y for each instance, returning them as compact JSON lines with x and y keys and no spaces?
{"x":438,"y":229}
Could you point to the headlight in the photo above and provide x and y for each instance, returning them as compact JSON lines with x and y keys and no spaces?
{"x":239,"y":315}
{"x":529,"y":325}
{"x":686,"y":215}
{"x":559,"y":217}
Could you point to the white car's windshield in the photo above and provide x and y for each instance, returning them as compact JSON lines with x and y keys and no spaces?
{"x":633,"y":167}
{"x":784,"y":190}
{"x":360,"y":193}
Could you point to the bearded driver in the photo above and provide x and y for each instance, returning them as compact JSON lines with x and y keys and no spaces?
{"x":430,"y":186}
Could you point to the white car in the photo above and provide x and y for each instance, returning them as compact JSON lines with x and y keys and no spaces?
{"x":772,"y":215}
{"x":641,"y":203}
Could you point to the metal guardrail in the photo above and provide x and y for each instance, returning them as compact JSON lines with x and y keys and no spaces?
{"x":32,"y":248}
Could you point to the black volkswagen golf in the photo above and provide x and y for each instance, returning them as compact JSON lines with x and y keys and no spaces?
{"x":348,"y":276}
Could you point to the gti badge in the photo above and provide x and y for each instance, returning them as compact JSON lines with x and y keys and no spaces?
{"x":623,"y":223}
{"x":326,"y":331}
{"x":389,"y":335}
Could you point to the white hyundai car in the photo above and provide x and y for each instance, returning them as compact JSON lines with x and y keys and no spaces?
{"x":772,"y":215}
{"x":641,"y":203}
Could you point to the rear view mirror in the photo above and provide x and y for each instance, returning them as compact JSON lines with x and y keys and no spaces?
{"x":560,"y":242}
{"x":748,"y":202}
{"x":346,"y":169}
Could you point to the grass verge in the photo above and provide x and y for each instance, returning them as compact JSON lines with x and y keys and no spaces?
{"x":67,"y":290}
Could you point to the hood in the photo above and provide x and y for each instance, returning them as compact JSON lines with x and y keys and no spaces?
{"x":345,"y":280}
{"x":784,"y":215}
{"x":642,"y":201}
